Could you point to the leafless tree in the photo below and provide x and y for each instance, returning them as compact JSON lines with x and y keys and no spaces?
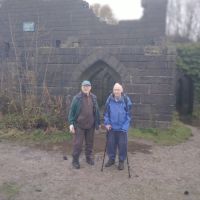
{"x":19,"y":78}
{"x":183,"y":19}
{"x":104,"y":12}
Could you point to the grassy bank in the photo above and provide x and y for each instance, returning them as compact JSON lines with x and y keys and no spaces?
{"x":35,"y":136}
{"x":176,"y":134}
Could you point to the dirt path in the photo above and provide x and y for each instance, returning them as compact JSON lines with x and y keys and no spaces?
{"x":158,"y":173}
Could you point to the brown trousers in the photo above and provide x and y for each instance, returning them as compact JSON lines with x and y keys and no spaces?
{"x":79,"y":136}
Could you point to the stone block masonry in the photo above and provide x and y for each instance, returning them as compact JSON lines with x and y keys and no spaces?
{"x":66,"y":43}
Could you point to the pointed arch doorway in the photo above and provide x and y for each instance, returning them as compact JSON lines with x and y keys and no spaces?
{"x":102,"y":77}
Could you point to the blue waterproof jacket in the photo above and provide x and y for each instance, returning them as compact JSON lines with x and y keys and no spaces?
{"x":118,"y":113}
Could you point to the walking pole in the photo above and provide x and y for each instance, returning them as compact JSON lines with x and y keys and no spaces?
{"x":129,"y":174}
{"x":104,"y":152}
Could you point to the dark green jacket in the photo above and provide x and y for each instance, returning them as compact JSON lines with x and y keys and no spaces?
{"x":76,"y":107}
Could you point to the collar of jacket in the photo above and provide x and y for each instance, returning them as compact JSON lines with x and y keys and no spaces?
{"x":81,"y":94}
{"x":112,"y":97}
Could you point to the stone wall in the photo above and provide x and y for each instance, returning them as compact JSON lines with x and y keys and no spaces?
{"x":72,"y":21}
{"x":147,"y":75}
{"x":70,"y":44}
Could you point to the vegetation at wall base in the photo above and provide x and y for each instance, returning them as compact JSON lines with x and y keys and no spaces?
{"x":36,"y":136}
{"x":34,"y":122}
{"x":176,"y":134}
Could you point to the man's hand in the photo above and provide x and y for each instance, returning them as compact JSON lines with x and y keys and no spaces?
{"x":71,"y":129}
{"x":108,"y":127}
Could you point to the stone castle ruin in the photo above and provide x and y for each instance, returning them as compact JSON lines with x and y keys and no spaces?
{"x":63,"y":42}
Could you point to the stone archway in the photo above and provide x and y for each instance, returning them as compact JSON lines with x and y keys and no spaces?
{"x":103,"y":70}
{"x":102,"y":77}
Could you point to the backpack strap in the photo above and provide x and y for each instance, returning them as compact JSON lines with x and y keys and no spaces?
{"x":106,"y":109}
{"x":125,"y":100}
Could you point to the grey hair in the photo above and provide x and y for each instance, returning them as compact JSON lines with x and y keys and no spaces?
{"x":118,"y":85}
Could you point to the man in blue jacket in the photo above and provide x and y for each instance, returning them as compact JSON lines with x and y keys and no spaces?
{"x":117,"y":121}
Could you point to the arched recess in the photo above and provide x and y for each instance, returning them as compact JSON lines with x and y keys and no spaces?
{"x":102,"y":77}
{"x":184,"y":95}
{"x":103,"y":70}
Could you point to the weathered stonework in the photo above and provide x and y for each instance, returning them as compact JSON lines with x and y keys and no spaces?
{"x":70,"y":44}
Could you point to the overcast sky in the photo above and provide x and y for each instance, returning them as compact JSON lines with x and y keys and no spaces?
{"x":122,"y":9}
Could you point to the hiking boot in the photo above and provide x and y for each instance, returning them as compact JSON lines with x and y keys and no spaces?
{"x":110,"y":163}
{"x":121,"y":165}
{"x":75,"y":164}
{"x":90,"y":161}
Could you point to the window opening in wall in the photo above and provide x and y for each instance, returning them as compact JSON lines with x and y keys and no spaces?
{"x":58,"y":43}
{"x":28,"y":26}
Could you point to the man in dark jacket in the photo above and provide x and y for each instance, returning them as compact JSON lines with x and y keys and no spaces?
{"x":117,"y":120}
{"x":83,"y":119}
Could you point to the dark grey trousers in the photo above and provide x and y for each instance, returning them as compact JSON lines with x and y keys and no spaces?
{"x":79,"y":136}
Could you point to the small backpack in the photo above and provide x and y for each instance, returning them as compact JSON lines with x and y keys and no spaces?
{"x":125,"y":100}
